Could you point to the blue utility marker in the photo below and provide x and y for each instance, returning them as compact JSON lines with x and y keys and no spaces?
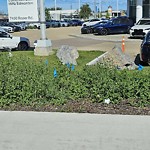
{"x":140,"y":67}
{"x":68,"y":65}
{"x":72,"y":68}
{"x":55,"y":73}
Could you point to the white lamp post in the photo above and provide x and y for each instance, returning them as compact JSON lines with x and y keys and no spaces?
{"x":117,"y":8}
{"x":55,"y":5}
{"x":79,"y":5}
{"x":43,"y":47}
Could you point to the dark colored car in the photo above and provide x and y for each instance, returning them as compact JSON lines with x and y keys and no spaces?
{"x":79,"y":22}
{"x":115,"y":26}
{"x":71,"y":22}
{"x":53,"y":23}
{"x":15,"y":27}
{"x":90,"y":29}
{"x":145,"y":49}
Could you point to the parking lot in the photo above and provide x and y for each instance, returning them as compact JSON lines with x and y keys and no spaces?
{"x":72,"y":36}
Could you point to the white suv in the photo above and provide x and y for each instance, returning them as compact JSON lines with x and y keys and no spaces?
{"x":141,"y":28}
{"x":7,"y":41}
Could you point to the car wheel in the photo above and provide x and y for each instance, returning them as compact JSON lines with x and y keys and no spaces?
{"x":88,"y":31}
{"x":104,"y":32}
{"x":128,"y":30}
{"x":35,"y":27}
{"x":23,"y":46}
{"x":63,"y":25}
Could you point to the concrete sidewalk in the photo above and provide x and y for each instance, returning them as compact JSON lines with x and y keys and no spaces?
{"x":66,"y":131}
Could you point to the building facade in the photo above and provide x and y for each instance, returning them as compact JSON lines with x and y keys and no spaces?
{"x":60,"y":14}
{"x":137,"y":9}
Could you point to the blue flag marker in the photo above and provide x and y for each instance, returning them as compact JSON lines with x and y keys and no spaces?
{"x":46,"y":62}
{"x":55,"y":73}
{"x":72,"y":68}
{"x":68,"y":65}
{"x":140,"y":67}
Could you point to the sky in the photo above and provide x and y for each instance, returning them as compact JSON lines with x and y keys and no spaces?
{"x":74,"y":4}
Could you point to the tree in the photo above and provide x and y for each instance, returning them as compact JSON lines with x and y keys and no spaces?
{"x":85,"y":11}
{"x":107,"y":15}
{"x":57,"y":8}
{"x":47,"y":13}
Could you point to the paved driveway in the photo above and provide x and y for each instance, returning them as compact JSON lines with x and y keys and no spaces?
{"x":72,"y":36}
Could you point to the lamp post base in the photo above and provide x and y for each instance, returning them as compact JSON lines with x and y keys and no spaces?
{"x":43,"y":48}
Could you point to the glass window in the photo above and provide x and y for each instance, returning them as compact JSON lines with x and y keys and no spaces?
{"x":143,"y":22}
{"x":132,"y":2}
{"x":146,"y":8}
{"x":3,"y":34}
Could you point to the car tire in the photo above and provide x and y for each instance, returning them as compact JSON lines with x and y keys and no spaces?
{"x":128,"y":30}
{"x":63,"y":25}
{"x":22,"y":46}
{"x":35,"y":27}
{"x":104,"y":32}
{"x":88,"y":31}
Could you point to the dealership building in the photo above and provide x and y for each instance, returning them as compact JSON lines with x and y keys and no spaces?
{"x":137,"y":9}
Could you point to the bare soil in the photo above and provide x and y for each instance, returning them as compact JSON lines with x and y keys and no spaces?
{"x":85,"y":106}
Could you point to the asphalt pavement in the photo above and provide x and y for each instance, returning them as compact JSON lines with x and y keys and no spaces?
{"x":72,"y":36}
{"x":67,"y":131}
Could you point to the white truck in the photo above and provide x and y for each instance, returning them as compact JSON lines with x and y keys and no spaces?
{"x":7,"y":41}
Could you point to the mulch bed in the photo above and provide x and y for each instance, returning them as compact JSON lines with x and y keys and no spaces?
{"x":83,"y":106}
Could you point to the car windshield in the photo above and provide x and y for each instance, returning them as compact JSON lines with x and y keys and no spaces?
{"x":143,"y":22}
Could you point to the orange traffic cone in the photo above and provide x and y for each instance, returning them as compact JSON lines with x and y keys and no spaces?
{"x":123,"y":44}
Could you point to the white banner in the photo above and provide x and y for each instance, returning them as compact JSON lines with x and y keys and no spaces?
{"x":22,"y":10}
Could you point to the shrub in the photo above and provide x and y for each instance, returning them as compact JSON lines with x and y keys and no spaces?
{"x":26,"y":82}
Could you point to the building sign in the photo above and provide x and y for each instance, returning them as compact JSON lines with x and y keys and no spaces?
{"x":22,"y":10}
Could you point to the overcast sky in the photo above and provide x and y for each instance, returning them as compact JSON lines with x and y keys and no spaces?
{"x":74,"y":4}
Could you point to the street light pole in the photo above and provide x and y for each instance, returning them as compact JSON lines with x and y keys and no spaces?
{"x":79,"y":5}
{"x":44,"y":46}
{"x":117,"y":8}
{"x":94,"y":8}
{"x":42,"y":20}
{"x":55,"y":5}
{"x":100,"y":7}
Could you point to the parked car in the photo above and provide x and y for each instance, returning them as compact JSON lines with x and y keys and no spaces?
{"x":64,"y":24}
{"x":141,"y":28}
{"x":15,"y":27}
{"x":34,"y":25}
{"x":115,"y":26}
{"x":145,"y":49}
{"x":91,"y":28}
{"x":53,"y":23}
{"x":79,"y":22}
{"x":7,"y":41}
{"x":92,"y":22}
{"x":71,"y":23}
{"x":22,"y":25}
{"x":7,"y":28}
